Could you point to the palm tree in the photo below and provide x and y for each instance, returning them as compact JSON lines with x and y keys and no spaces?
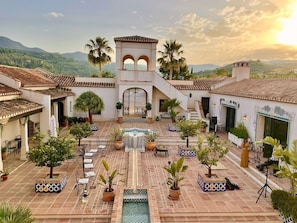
{"x":170,"y":105}
{"x":98,"y":50}
{"x":171,"y":58}
{"x":13,"y":214}
{"x":90,"y":102}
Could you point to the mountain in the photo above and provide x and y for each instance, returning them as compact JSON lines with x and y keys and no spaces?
{"x":201,"y":67}
{"x":13,"y":53}
{"x":79,"y":56}
{"x":10,"y":44}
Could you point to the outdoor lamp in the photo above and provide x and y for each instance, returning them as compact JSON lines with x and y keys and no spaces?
{"x":84,"y":197}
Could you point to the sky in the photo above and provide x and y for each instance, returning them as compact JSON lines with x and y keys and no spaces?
{"x":210,"y":31}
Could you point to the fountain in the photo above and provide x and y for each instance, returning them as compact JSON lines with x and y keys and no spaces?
{"x":135,"y":139}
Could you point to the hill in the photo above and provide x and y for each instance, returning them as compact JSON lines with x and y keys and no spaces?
{"x":10,"y":44}
{"x":13,"y":53}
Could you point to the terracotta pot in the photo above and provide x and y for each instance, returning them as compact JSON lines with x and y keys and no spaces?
{"x":4,"y":177}
{"x":120,"y":120}
{"x":150,"y":146}
{"x":108,"y":196}
{"x":119,"y":145}
{"x":4,"y":155}
{"x":174,"y":194}
{"x":149,"y":120}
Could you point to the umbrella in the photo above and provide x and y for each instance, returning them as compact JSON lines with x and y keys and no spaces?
{"x":53,"y":126}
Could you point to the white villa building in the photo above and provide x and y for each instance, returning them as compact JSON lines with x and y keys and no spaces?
{"x":29,"y":98}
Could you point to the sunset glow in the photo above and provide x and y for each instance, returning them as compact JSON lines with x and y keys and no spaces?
{"x":288,"y":35}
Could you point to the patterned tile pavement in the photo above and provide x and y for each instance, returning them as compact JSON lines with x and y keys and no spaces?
{"x":194,"y":205}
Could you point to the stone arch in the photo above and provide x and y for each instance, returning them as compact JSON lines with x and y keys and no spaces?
{"x":127,"y":61}
{"x":143,"y":63}
{"x":134,"y":100}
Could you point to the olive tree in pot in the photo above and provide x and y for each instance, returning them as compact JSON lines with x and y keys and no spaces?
{"x":116,"y":136}
{"x":151,"y":137}
{"x":175,"y":169}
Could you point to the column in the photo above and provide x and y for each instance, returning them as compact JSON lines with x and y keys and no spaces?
{"x":24,"y":137}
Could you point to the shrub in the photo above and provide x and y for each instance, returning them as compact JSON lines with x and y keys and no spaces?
{"x":283,"y":201}
{"x":240,"y":131}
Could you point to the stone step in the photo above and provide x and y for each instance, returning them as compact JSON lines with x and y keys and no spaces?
{"x":226,"y":217}
{"x":73,"y":218}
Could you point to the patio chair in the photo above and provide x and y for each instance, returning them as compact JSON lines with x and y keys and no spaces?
{"x":11,"y":146}
{"x":81,"y":182}
{"x":91,"y":175}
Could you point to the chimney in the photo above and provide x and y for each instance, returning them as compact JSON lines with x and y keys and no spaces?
{"x":241,"y":70}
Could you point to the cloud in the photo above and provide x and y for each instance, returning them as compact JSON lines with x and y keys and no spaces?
{"x":241,"y":26}
{"x":55,"y":14}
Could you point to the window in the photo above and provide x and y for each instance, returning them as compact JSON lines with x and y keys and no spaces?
{"x":161,"y":102}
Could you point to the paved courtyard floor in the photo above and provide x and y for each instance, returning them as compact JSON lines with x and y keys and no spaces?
{"x":194,"y":205}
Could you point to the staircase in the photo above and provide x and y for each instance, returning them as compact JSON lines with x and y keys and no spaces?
{"x":170,"y":91}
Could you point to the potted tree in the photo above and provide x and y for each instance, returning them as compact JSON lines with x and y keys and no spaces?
{"x":203,"y":125}
{"x":51,"y":153}
{"x":4,"y":174}
{"x":148,"y":108}
{"x":175,"y":169}
{"x":107,"y":181}
{"x":187,"y":129}
{"x":89,"y":102}
{"x":119,"y":106}
{"x":150,"y":137}
{"x":209,"y":156}
{"x":4,"y":152}
{"x":116,"y":136}
{"x":81,"y":130}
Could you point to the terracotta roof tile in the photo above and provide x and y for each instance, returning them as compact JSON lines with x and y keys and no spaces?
{"x":136,"y":39}
{"x":27,"y":77}
{"x":57,"y":93}
{"x":69,"y":81}
{"x":15,"y":107}
{"x":280,"y":90}
{"x":6,"y":90}
{"x":201,"y":84}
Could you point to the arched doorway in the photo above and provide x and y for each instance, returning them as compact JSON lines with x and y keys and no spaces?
{"x":135,"y":100}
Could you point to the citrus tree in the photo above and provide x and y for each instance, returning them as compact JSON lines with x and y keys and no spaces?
{"x":187,"y":129}
{"x":210,"y":153}
{"x":51,"y":152}
{"x":81,"y":130}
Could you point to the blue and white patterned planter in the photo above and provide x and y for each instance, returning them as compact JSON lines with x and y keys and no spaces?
{"x":211,"y":184}
{"x":186,"y":152}
{"x":54,"y":185}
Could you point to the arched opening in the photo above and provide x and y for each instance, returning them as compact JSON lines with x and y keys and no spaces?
{"x":128,"y":62}
{"x":142,"y":63}
{"x":134,"y":102}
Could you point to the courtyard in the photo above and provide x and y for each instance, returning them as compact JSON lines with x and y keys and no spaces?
{"x":194,"y":205}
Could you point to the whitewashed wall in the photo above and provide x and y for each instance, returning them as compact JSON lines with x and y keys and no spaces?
{"x":255,"y":109}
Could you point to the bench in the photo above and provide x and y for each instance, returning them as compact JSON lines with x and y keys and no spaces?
{"x":161,"y":150}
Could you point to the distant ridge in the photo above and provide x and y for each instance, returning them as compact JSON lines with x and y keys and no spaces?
{"x":10,"y":44}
